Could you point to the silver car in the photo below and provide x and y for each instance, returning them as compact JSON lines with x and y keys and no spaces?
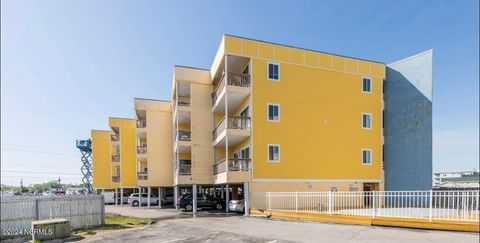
{"x":236,"y":205}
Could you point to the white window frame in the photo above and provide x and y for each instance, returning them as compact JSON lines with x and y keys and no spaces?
{"x":268,"y":153}
{"x":371,"y":155}
{"x":369,"y":114}
{"x":268,"y":73}
{"x":268,"y":110}
{"x":369,"y":78}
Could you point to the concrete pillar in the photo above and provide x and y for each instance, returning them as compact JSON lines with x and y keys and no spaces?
{"x":214,"y":192}
{"x":222,"y":192}
{"x":115,"y":196}
{"x":194,"y":198}
{"x":121,"y":196}
{"x":160,"y":197}
{"x":139,"y":197}
{"x":149,"y":192}
{"x":227,"y":196}
{"x":200,"y":188}
{"x":246,"y":198}
{"x":175,"y":196}
{"x":235,"y":192}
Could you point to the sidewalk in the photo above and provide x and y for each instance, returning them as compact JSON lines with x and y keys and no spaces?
{"x":152,"y":213}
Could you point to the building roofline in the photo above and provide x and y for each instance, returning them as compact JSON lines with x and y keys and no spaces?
{"x":198,"y":68}
{"x":151,"y":99}
{"x":121,"y":118}
{"x":100,"y":130}
{"x":302,"y":48}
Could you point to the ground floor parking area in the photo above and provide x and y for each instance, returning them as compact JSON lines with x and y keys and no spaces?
{"x":176,"y":226}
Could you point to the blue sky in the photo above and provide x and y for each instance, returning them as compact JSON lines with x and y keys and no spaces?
{"x":68,"y":65}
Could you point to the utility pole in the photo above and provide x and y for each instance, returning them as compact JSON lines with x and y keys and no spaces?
{"x":21,"y":185}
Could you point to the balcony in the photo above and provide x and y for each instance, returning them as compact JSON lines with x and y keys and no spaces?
{"x":183,"y":101}
{"x":142,"y":175}
{"x":235,"y":164}
{"x":185,"y":170}
{"x":115,"y":158}
{"x":234,"y":79}
{"x":237,"y":126}
{"x":142,"y":149}
{"x":184,"y":135}
{"x":114,"y":137}
{"x":115,"y":179}
{"x":141,"y":124}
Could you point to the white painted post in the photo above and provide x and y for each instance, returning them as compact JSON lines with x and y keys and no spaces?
{"x":194,"y":196}
{"x":246,"y":198}
{"x":121,"y":196}
{"x":227,"y":196}
{"x":430,"y":207}
{"x":296,"y":202}
{"x":175,"y":196}
{"x":149,"y":192}
{"x":222,"y":193}
{"x":373,"y":204}
{"x":115,"y":196}
{"x":269,"y":201}
{"x":160,"y":197}
{"x":139,"y":197}
{"x":330,"y":202}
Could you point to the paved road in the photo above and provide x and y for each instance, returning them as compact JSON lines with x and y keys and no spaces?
{"x":241,"y":229}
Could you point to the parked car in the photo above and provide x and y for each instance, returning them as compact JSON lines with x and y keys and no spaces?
{"x":203,"y":201}
{"x":167,"y":200}
{"x":110,"y":197}
{"x":133,"y":199}
{"x":237,"y":205}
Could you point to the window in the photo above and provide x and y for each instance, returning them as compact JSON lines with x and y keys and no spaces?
{"x":273,"y":153}
{"x":366,"y":120}
{"x":273,"y":71}
{"x":367,"y":85}
{"x":366,"y":156}
{"x":273,"y":113}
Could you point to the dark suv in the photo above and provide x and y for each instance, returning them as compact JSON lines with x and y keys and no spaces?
{"x":203,"y":201}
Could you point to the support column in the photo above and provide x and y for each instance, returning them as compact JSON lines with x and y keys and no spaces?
{"x":149,"y":193}
{"x":246,"y":198}
{"x":160,"y":197}
{"x":222,"y":192}
{"x":115,"y":195}
{"x":139,"y":197}
{"x":214,"y":192}
{"x":227,"y":196}
{"x":200,"y":188}
{"x":194,"y":198}
{"x":235,"y":192}
{"x":121,"y":196}
{"x":175,"y":196}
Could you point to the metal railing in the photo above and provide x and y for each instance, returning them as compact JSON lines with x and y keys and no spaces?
{"x":114,"y":137}
{"x":233,"y":165}
{"x":141,"y":124}
{"x":116,"y":179}
{"x":234,"y":79}
{"x":184,"y":135}
{"x":142,"y":149}
{"x":115,"y":158}
{"x":183,"y":101}
{"x":461,"y":206}
{"x":185,"y":170}
{"x":234,"y":122}
{"x":142,"y":175}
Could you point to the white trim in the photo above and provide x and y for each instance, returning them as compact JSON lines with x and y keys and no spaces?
{"x":361,"y":156}
{"x":370,"y":115}
{"x":274,"y":63}
{"x":268,"y":153}
{"x":268,"y":110}
{"x":318,"y":180}
{"x":369,"y":78}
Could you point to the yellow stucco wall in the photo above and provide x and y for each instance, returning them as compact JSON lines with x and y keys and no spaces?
{"x":321,"y":103}
{"x":101,"y":159}
{"x":128,"y":165}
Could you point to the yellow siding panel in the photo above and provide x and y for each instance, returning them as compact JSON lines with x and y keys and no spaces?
{"x":128,"y":154}
{"x":311,"y":59}
{"x":338,"y":63}
{"x":324,"y":61}
{"x":249,"y":48}
{"x":233,"y":45}
{"x":377,"y":70}
{"x":282,"y":54}
{"x":266,"y":51}
{"x":350,"y":65}
{"x":297,"y":56}
{"x":101,"y":159}
{"x":364,"y":68}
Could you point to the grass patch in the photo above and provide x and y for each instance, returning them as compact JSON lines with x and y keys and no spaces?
{"x":113,"y":222}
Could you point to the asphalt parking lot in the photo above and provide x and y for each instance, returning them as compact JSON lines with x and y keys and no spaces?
{"x":219,"y":227}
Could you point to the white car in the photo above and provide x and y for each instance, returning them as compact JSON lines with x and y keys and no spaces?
{"x":236,"y":205}
{"x":134,"y":199}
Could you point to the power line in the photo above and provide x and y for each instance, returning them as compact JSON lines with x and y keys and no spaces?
{"x":40,"y":152}
{"x":43,"y":167}
{"x":38,"y":147}
{"x":38,"y":172}
{"x":42,"y":177}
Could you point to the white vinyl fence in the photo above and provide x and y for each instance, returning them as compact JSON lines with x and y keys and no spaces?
{"x":17,"y":212}
{"x":461,"y":206}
